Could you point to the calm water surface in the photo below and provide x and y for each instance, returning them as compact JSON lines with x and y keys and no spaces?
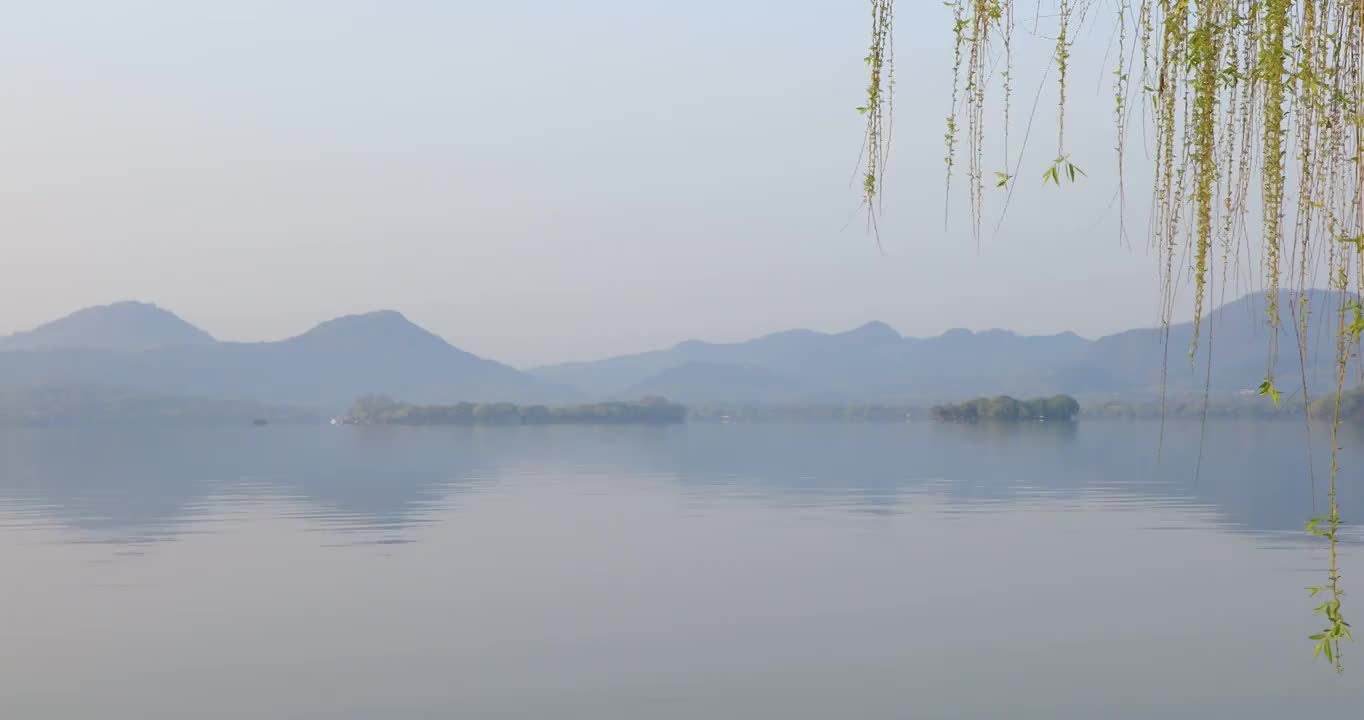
{"x":716,"y":571}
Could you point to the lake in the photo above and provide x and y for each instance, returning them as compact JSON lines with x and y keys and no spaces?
{"x":698,"y":571}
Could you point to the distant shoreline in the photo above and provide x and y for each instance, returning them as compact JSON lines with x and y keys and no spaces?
{"x":94,"y":405}
{"x":383,"y":411}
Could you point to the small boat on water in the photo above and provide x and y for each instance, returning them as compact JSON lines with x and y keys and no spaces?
{"x":260,"y":422}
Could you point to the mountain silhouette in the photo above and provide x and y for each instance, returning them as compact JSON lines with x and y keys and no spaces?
{"x":874,"y":363}
{"x":328,"y":366}
{"x":142,"y":347}
{"x":121,"y":327}
{"x":1236,"y":339}
{"x":870,"y":363}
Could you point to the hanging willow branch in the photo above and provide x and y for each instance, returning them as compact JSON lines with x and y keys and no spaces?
{"x":1239,"y":94}
{"x":880,"y":62}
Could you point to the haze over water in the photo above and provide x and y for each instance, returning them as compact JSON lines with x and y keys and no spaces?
{"x":765,"y":571}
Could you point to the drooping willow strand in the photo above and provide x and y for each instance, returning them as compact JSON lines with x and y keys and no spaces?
{"x":1240,"y":102}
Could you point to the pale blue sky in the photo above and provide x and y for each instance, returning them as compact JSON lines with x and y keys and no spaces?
{"x":535,"y":181}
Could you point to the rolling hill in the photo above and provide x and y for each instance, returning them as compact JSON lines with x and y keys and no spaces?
{"x":124,"y":327}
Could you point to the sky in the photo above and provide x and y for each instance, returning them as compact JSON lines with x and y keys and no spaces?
{"x":535,"y":181}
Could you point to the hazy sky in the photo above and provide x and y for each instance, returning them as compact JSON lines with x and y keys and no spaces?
{"x":535,"y":181}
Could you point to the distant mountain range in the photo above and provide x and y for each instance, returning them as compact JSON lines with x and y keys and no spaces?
{"x":874,"y":363}
{"x":145,"y":348}
{"x":139,"y":346}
